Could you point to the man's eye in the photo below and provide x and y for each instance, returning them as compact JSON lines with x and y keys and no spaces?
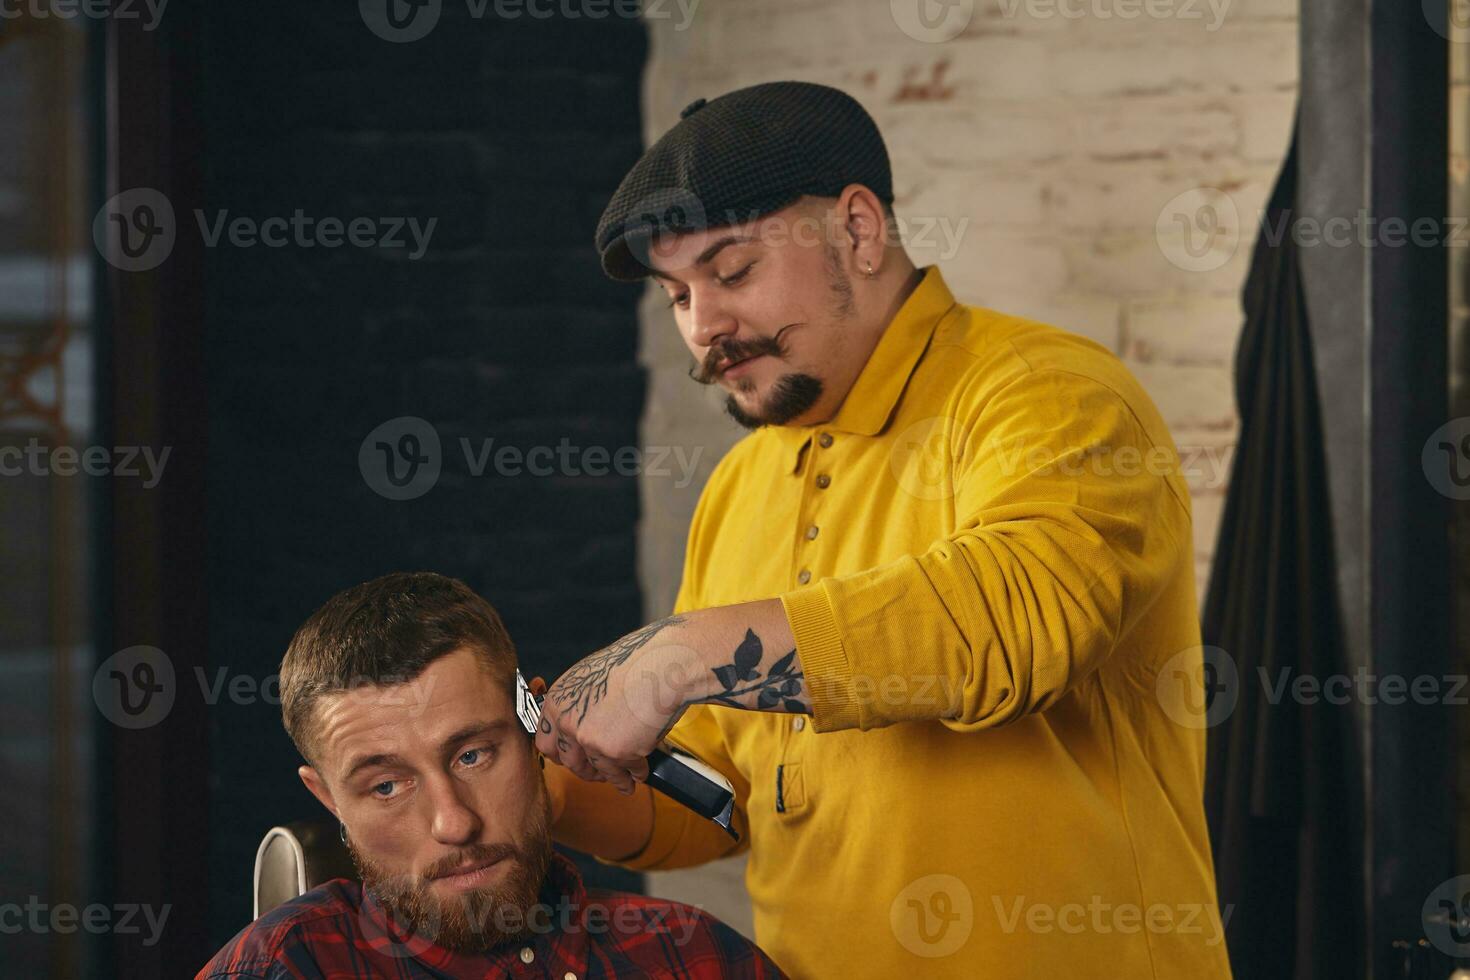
{"x":730,"y":280}
{"x":472,"y":757}
{"x":378,"y":790}
{"x":680,"y":300}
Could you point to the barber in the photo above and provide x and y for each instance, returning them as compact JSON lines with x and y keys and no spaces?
{"x":934,"y":606}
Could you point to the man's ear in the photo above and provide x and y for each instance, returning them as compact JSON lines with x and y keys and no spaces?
{"x":318,"y":787}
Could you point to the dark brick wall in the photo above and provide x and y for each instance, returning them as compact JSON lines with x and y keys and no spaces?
{"x":513,"y":134}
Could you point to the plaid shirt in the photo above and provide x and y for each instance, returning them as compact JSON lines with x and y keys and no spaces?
{"x":335,"y":930}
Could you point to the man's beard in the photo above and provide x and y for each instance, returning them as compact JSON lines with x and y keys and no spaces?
{"x":790,"y":396}
{"x":472,"y":920}
{"x":793,"y":394}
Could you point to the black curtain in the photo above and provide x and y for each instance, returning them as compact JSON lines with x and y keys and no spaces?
{"x":1283,"y":790}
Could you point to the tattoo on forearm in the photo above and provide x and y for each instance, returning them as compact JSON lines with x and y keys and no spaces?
{"x":586,"y":683}
{"x":782,"y":685}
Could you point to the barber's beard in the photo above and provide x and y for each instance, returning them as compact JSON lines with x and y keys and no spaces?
{"x":473,"y":920}
{"x":790,"y":396}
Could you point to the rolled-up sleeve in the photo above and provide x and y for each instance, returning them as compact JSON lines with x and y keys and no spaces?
{"x":1069,"y":521}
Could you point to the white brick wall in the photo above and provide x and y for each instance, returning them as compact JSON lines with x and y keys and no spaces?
{"x":1053,"y":144}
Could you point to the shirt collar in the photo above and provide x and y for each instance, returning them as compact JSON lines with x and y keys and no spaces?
{"x":869,"y":405}
{"x":563,"y":889}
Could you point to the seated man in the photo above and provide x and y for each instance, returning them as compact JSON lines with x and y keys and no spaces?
{"x":399,"y":693}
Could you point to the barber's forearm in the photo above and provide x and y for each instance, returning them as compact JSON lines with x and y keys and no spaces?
{"x":741,"y":656}
{"x":597,"y":819}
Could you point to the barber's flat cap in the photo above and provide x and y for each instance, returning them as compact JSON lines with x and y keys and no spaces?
{"x":738,"y":157}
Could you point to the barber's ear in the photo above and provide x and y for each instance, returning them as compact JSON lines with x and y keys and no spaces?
{"x":318,"y":787}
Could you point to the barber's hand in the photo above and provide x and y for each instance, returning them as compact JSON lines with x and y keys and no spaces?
{"x":604,"y":716}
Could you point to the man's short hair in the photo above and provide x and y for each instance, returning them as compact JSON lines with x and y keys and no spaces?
{"x":385,"y":632}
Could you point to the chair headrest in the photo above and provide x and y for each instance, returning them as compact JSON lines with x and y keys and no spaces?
{"x":296,"y":857}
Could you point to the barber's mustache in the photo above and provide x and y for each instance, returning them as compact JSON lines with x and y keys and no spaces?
{"x":728,"y":352}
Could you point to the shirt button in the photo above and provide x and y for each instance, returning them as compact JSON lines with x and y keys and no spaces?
{"x":526,"y":954}
{"x":804,"y":577}
{"x":825,"y":439}
{"x":798,"y":723}
{"x":823,"y":480}
{"x":811,"y":533}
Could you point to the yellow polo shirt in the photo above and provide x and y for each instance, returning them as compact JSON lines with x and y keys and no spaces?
{"x":986,"y":561}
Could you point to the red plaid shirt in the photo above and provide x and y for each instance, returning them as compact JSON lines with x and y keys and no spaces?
{"x":335,"y":931}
